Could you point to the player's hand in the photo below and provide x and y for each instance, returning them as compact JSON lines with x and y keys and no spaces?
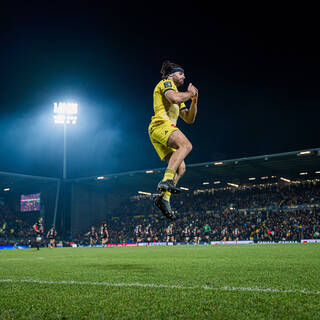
{"x":195,"y":97}
{"x":192,"y":89}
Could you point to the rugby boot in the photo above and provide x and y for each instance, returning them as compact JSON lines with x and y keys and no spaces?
{"x":168,"y":186}
{"x":165,"y":208}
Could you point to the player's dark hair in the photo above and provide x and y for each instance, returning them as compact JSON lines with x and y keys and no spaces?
{"x":167,"y":66}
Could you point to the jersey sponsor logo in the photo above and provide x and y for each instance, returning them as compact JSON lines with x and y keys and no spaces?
{"x":167,"y":84}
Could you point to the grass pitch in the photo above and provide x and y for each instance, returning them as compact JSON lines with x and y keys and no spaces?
{"x":280,"y":281}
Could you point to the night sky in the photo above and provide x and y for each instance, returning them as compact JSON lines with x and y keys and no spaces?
{"x":257,"y":72}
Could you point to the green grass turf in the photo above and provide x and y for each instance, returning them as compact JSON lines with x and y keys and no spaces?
{"x":278,"y":266}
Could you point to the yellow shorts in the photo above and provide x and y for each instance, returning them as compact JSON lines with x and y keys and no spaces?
{"x":159,"y":135}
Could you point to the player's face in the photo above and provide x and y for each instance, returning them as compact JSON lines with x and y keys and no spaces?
{"x":178,"y":78}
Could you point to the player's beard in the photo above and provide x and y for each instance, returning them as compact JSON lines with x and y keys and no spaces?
{"x":179,"y":82}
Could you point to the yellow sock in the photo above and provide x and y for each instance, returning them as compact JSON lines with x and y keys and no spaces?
{"x":169,"y":175}
{"x":166,"y":195}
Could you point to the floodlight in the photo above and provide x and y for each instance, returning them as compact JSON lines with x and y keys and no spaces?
{"x":65,"y":112}
{"x":303,"y":153}
{"x":146,"y":193}
{"x":233,"y":184}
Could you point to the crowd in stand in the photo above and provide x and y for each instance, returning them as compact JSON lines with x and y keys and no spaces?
{"x":270,"y":212}
{"x":260,"y":213}
{"x":13,"y":227}
{"x":18,"y":229}
{"x":279,"y":225}
{"x":254,"y":197}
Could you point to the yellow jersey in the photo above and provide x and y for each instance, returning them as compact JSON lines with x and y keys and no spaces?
{"x":164,"y":110}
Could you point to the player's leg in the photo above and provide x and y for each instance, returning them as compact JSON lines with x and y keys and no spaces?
{"x":172,"y":146}
{"x":167,"y":194}
{"x":183,"y":146}
{"x":180,"y":172}
{"x":163,"y":202}
{"x":178,"y":141}
{"x":168,"y":139}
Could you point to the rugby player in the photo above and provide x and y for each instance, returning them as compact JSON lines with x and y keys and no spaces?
{"x":170,"y":143}
{"x":51,"y":235}
{"x":104,"y":234}
{"x":93,"y":236}
{"x":170,"y":233}
{"x":38,"y":229}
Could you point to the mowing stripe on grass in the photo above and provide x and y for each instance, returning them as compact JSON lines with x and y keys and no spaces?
{"x":166,"y":286}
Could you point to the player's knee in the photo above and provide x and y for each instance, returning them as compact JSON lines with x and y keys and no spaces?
{"x":188,"y":146}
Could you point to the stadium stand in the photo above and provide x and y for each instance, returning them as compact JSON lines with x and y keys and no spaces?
{"x":271,"y":212}
{"x":264,"y":198}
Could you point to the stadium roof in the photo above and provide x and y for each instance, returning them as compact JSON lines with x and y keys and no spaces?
{"x":260,"y":169}
{"x":21,"y":182}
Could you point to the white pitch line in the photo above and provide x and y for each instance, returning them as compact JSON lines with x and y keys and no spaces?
{"x":166,"y":286}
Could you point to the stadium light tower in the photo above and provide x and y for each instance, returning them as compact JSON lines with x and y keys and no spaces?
{"x":65,"y":113}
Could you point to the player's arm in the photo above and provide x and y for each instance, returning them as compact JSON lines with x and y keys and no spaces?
{"x":189,"y":115}
{"x":48,"y":234}
{"x":176,"y":97}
